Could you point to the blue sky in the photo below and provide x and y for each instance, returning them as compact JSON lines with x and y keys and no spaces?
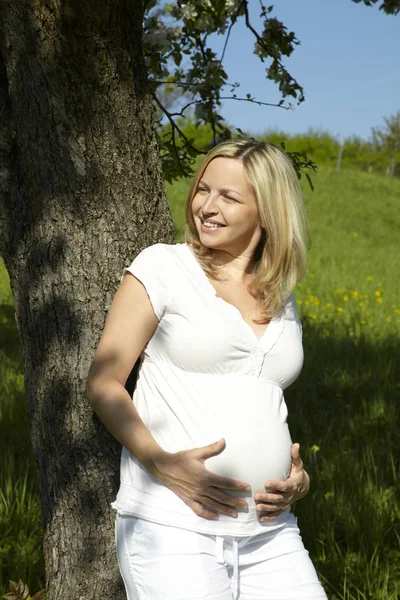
{"x":348,"y":63}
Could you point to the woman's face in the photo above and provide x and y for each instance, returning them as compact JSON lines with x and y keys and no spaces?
{"x":225,"y":208}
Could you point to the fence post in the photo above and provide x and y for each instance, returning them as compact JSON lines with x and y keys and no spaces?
{"x":339,"y":158}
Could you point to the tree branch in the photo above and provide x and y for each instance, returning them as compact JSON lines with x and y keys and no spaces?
{"x":271,"y":51}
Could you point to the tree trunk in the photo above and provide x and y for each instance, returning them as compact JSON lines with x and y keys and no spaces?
{"x":81,"y":194}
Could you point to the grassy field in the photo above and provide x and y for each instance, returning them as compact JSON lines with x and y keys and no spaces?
{"x":343,"y":409}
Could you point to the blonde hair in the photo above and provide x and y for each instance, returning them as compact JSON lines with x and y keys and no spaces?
{"x":281,"y":255}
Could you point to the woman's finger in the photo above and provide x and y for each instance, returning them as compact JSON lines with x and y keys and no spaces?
{"x":274,"y":487}
{"x":270,"y":507}
{"x":271,"y":498}
{"x":227,"y":499}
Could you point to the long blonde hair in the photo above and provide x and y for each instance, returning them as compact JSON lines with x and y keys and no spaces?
{"x":281,"y":255}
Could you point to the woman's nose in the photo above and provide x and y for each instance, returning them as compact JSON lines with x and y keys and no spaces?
{"x":209,"y":205}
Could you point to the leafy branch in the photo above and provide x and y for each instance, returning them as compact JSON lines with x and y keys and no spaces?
{"x":186,"y":73}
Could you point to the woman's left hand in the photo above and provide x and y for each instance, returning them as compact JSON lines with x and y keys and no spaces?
{"x":282,"y":494}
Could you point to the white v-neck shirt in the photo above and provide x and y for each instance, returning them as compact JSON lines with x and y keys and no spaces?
{"x":205,"y":375}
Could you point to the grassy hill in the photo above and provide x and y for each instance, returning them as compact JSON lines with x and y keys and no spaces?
{"x":343,"y":409}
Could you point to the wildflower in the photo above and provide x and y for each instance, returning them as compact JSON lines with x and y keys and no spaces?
{"x":329,"y":305}
{"x":369,"y":278}
{"x":397,"y":311}
{"x":363,"y":322}
{"x":361,"y":304}
{"x":345,"y":298}
{"x":339,"y":309}
{"x":379,"y":299}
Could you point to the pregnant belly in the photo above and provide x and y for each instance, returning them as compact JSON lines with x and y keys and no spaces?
{"x":257,"y":436}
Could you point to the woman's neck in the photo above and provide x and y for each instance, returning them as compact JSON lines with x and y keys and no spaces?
{"x":236,"y":268}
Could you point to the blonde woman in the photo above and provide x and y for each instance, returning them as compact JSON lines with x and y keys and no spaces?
{"x":208,"y":468}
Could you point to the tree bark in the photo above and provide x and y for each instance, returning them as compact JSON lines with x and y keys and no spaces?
{"x":81,"y":194}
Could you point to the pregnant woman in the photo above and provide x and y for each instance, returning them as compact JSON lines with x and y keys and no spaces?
{"x":208,"y":469}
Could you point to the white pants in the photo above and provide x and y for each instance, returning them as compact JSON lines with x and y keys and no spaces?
{"x":159,"y":562}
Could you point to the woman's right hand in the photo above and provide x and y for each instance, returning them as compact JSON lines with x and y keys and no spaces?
{"x":185,"y":474}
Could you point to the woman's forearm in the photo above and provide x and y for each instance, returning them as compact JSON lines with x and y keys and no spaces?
{"x":114,"y":406}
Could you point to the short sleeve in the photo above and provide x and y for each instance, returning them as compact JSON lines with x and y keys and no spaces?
{"x":290,"y":312}
{"x":290,"y":309}
{"x":150,"y":268}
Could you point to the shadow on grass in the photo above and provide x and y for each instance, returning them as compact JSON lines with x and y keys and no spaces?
{"x":344,"y":410}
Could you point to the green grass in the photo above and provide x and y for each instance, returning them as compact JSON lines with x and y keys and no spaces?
{"x":343,"y":409}
{"x":20,"y":529}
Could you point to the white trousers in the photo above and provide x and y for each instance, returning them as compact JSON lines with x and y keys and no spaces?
{"x":160,"y":562}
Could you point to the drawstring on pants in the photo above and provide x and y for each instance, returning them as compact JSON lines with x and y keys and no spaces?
{"x":219,"y":555}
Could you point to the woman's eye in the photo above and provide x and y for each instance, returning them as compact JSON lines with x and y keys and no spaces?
{"x":230,"y":198}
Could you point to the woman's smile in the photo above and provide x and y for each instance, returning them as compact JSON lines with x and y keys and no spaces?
{"x":209,"y":225}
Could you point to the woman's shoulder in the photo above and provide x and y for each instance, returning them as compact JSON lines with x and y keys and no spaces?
{"x":290,"y":309}
{"x":160,"y":251}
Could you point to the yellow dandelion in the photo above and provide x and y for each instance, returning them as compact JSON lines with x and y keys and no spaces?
{"x":339,"y":309}
{"x":329,"y":305}
{"x":345,"y":298}
{"x":354,"y":293}
{"x":369,"y":278}
{"x":299,"y":301}
{"x":378,"y":293}
{"x":379,"y":299}
{"x":367,"y":314}
{"x":363,"y":322}
{"x":361,"y":304}
{"x":397,"y":311}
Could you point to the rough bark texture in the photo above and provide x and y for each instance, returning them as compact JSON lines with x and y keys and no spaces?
{"x":81,"y":194}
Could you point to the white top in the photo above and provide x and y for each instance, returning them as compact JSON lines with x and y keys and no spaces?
{"x":205,"y":375}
